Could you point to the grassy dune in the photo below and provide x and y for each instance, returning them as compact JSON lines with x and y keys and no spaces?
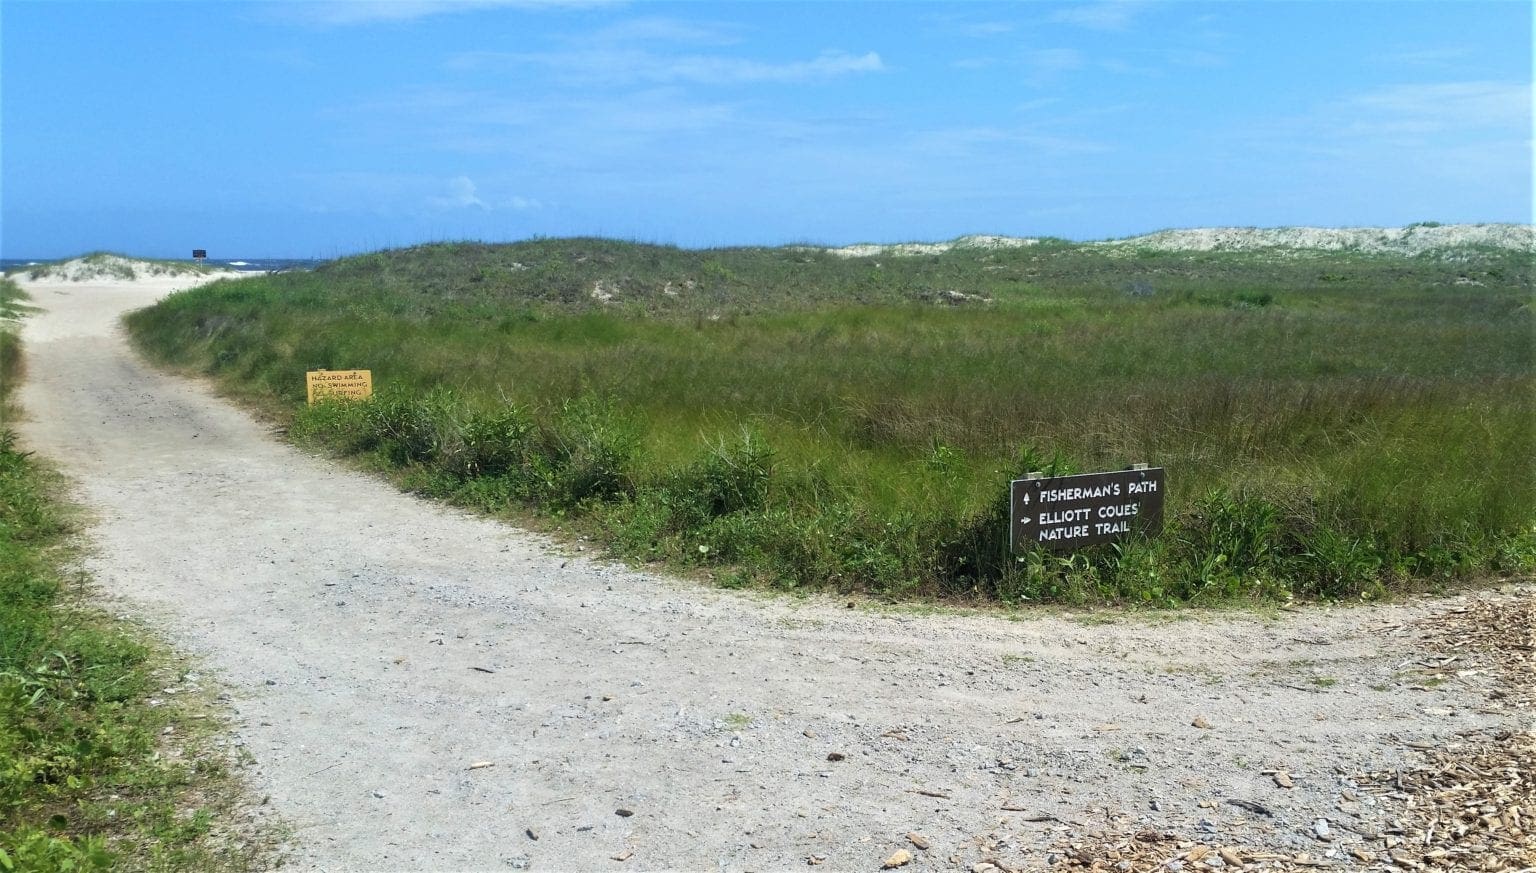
{"x":1333,"y":425}
{"x":110,"y":265}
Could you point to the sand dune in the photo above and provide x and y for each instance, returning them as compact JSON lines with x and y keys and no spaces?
{"x":1412,"y":240}
{"x":108,"y":267}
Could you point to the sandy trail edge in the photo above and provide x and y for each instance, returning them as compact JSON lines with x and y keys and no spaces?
{"x":354,"y":626}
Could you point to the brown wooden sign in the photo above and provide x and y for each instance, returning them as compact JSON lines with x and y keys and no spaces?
{"x":1067,"y":512}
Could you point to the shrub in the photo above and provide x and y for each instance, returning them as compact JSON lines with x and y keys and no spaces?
{"x":592,"y":444}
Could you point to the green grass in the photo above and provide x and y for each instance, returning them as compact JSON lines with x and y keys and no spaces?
{"x":1334,"y":426}
{"x":93,"y":776}
{"x":12,"y":303}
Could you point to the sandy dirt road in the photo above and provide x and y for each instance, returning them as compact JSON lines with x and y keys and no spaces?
{"x":377,"y":646}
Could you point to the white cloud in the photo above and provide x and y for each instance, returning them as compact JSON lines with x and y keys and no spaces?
{"x":1042,"y":65}
{"x":346,"y":13}
{"x":1110,"y":15}
{"x":1458,"y":141}
{"x":667,"y":30}
{"x":561,"y":128}
{"x":1443,"y":56}
{"x":1441,"y":107}
{"x":1425,"y":117}
{"x":985,"y":29}
{"x":399,"y":194}
{"x":461,"y":195}
{"x":1056,"y":60}
{"x":972,"y":143}
{"x":723,"y":70}
{"x":630,"y":66}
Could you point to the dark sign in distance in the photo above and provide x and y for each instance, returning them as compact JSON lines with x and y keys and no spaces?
{"x":1067,"y":512}
{"x":199,"y":254}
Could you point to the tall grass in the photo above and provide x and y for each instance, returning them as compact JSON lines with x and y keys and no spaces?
{"x":1333,"y":426}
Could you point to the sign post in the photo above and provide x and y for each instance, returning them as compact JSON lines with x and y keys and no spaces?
{"x":339,"y":385}
{"x":1068,"y":512}
{"x":199,"y":255}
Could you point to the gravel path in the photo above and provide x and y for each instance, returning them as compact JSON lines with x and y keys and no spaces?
{"x":422,"y":689}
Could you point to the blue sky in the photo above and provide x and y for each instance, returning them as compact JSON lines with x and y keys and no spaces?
{"x":309,"y":129}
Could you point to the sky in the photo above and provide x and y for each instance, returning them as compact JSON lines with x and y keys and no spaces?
{"x":316,"y":129}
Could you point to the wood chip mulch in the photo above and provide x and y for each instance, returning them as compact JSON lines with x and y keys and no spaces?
{"x":1470,"y":807}
{"x":1489,"y":635}
{"x":1149,"y":851}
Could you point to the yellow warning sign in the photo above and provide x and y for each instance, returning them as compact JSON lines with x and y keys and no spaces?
{"x":339,"y":385}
